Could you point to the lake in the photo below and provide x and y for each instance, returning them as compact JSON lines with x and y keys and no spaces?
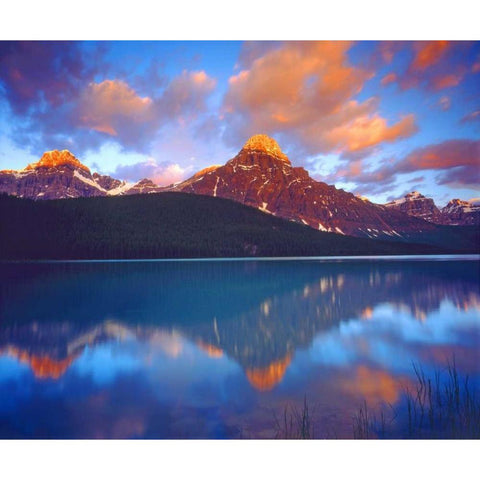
{"x":224,"y":349}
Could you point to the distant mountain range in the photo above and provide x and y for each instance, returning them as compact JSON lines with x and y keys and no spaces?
{"x":260,"y":176}
{"x":456,"y":212}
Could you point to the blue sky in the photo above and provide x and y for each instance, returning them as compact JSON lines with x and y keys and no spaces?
{"x":376,"y":118}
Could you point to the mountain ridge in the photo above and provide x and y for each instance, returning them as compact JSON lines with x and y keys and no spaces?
{"x":260,"y":176}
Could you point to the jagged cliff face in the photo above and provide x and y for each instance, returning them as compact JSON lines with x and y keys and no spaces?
{"x":262,"y":176}
{"x":456,"y":212}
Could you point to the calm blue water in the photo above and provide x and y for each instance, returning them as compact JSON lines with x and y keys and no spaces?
{"x":217,"y":349}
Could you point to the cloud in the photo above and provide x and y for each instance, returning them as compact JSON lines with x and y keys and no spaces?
{"x":186,"y":94}
{"x":457,"y":163}
{"x":471,"y":117}
{"x":369,"y":130}
{"x":304,"y":92}
{"x":112,"y":106}
{"x":441,"y":82}
{"x":48,"y":73}
{"x":367,"y":181}
{"x":428,"y":54}
{"x":58,"y":98}
{"x":465,"y":176}
{"x":389,"y":78}
{"x":444,"y":103}
{"x":435,"y":65}
{"x":445,"y":155}
{"x":162,"y":174}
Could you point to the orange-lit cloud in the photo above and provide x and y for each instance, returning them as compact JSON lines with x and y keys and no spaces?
{"x":114,"y":108}
{"x":305,"y":91}
{"x":103,"y":104}
{"x":446,"y":81}
{"x":449,"y":154}
{"x":435,"y":65}
{"x":367,"y":131}
{"x":428,"y":53}
{"x":389,"y":78}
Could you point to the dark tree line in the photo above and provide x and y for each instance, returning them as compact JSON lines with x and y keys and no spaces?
{"x":176,"y":225}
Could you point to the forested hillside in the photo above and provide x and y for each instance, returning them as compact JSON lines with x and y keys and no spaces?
{"x":172,"y":225}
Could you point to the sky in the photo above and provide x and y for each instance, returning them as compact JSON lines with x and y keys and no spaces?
{"x":379,"y":119}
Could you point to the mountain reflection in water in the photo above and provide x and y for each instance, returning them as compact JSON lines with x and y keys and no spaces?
{"x":209,"y":347}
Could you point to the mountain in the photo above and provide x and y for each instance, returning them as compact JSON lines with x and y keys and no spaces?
{"x":417,"y":205}
{"x":144,"y":186}
{"x":456,"y":212}
{"x":58,"y":174}
{"x":112,"y":186}
{"x":262,"y":176}
{"x":460,"y":212}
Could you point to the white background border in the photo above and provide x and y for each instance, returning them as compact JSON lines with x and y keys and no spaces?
{"x":243,"y":20}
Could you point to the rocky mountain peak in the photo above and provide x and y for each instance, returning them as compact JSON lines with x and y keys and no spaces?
{"x":414,"y":194}
{"x":265,"y":144}
{"x":144,"y":186}
{"x":455,"y":202}
{"x":146,"y":182}
{"x":56,"y":158}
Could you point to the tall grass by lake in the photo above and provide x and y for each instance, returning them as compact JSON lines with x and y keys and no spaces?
{"x":443,"y":406}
